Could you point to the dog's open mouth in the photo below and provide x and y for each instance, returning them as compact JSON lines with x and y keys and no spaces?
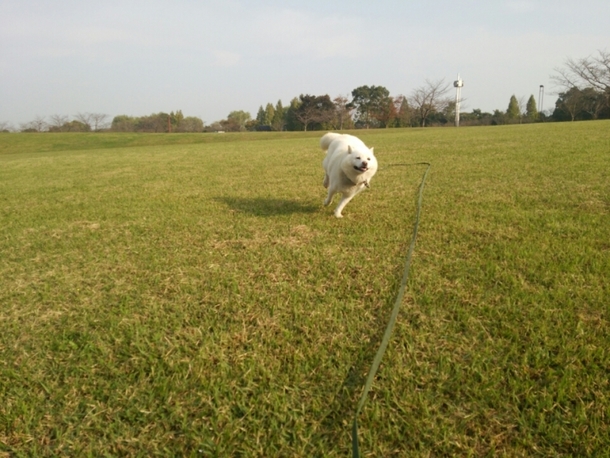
{"x":363,"y":168}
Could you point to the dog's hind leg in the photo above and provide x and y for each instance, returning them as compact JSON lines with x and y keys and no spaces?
{"x":329,"y":197}
{"x":326,"y":180}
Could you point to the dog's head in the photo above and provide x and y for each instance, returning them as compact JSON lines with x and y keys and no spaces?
{"x":362,"y":160}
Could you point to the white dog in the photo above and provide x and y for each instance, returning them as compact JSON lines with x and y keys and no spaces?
{"x":349,"y":167}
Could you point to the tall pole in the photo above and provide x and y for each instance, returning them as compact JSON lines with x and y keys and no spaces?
{"x":458,"y":92}
{"x":541,"y":98}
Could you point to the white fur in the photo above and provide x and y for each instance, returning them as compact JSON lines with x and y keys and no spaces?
{"x":349,"y":167}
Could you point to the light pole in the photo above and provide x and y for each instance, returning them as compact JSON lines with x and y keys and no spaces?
{"x":540,"y":98}
{"x":457,"y":84}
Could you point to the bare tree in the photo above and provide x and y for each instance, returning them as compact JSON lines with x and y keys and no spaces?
{"x":39,"y":124}
{"x":57,"y":121}
{"x":428,"y":99}
{"x":589,"y":71}
{"x":85,"y":118}
{"x":99,"y":121}
{"x":5,"y":126}
{"x":592,"y":71}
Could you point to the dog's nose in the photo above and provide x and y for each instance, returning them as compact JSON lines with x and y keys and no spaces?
{"x":364,"y":163}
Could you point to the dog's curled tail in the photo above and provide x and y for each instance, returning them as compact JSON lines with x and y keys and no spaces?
{"x":327,"y":139}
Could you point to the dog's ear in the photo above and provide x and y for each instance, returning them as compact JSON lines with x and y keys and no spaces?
{"x":349,"y":149}
{"x":372,"y":150}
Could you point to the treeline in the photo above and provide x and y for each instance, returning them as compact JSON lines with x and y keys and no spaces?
{"x":585,"y":95}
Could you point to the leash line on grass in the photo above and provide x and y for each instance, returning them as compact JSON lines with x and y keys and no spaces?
{"x":392,"y":321}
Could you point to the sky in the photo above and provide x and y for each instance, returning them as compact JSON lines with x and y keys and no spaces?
{"x":209,"y":58}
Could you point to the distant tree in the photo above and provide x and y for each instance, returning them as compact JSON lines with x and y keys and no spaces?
{"x":476,"y":117}
{"x":56,"y":122}
{"x":123,"y":123}
{"x":371,"y":105}
{"x":429,"y":99}
{"x":39,"y":124}
{"x":262,"y":116}
{"x":314,"y":111}
{"x":98,"y":121}
{"x":174,"y":121}
{"x":592,"y":71}
{"x":5,"y":127}
{"x":85,"y":118}
{"x":569,"y":105}
{"x":214,"y":127}
{"x":191,"y":124}
{"x":531,"y":110}
{"x":154,"y":123}
{"x":236,"y":121}
{"x":75,"y":126}
{"x":292,"y":121}
{"x":594,"y":102}
{"x":498,"y":117}
{"x":386,"y":113}
{"x":269,"y":114}
{"x":278,"y":122}
{"x":513,"y":112}
{"x":342,"y":119}
{"x":404,"y":113}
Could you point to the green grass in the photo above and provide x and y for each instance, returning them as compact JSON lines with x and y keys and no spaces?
{"x":188,"y":295}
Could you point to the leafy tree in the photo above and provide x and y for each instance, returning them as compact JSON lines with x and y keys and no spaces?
{"x":404,"y":113}
{"x":123,"y":123}
{"x":71,"y":126}
{"x":478,"y":117}
{"x":314,"y":111}
{"x":261,"y":117}
{"x":569,"y":105}
{"x":269,"y":114}
{"x":531,"y":110}
{"x":386,"y":113}
{"x":513,"y":111}
{"x":279,"y":117}
{"x":594,"y":102}
{"x":191,"y":124}
{"x":236,"y":121}
{"x":498,"y":117}
{"x":372,"y":105}
{"x":342,"y":119}
{"x":175,"y":119}
{"x":292,"y":121}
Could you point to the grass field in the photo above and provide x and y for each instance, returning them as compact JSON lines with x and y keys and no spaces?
{"x":188,"y":295}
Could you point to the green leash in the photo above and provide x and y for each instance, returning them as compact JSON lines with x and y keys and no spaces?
{"x":393,"y":316}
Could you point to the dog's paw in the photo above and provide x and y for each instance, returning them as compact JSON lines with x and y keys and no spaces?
{"x":367,"y":184}
{"x":338,"y":215}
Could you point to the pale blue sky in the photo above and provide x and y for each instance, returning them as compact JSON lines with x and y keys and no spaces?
{"x":209,"y":58}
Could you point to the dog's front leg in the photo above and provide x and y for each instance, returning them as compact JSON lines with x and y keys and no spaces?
{"x":344,"y":201}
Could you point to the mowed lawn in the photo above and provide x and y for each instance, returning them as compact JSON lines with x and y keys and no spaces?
{"x":189,"y":295}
